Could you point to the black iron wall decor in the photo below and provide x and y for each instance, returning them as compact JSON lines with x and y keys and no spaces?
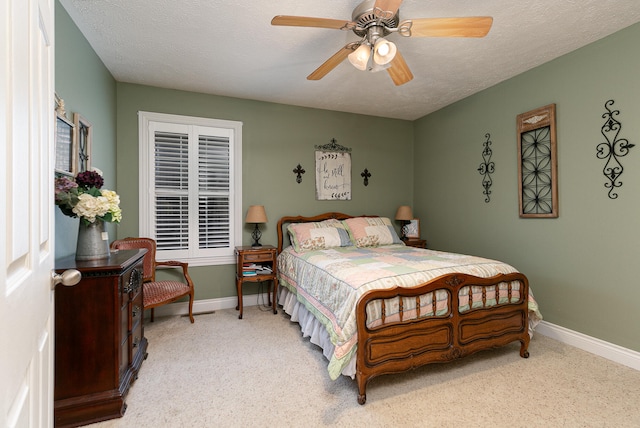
{"x":486,"y":168}
{"x":537,"y":167}
{"x":299,"y":171}
{"x":365,"y":174}
{"x":612,"y":149}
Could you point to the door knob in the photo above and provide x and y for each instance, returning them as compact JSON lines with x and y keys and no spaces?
{"x":69,"y":278}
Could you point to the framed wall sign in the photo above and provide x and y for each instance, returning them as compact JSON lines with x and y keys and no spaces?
{"x":537,"y":165}
{"x":65,"y":146}
{"x":412,"y":229}
{"x":84,"y":136}
{"x":333,"y":172}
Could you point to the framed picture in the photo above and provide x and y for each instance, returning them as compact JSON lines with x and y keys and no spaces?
{"x":412,"y":229}
{"x":84,"y":136}
{"x":333,"y":176}
{"x":65,"y":146}
{"x":537,"y":165}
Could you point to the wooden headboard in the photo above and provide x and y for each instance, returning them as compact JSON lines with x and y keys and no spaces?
{"x":285,"y":221}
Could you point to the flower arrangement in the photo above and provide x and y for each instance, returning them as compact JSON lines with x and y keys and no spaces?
{"x":84,"y":197}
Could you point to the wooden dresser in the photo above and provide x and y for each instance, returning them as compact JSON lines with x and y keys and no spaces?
{"x":99,"y":338}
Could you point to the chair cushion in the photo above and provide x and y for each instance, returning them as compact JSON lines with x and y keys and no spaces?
{"x":160,"y":292}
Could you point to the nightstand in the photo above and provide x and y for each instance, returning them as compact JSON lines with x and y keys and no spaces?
{"x":256,"y":264}
{"x":415,"y":242}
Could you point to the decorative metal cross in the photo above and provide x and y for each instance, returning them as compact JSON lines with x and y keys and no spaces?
{"x":299,"y":171}
{"x":366,"y":174}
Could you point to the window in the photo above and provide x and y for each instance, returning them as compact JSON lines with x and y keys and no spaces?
{"x":191,"y":187}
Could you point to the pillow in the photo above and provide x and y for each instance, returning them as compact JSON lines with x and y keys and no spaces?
{"x":318,"y":235}
{"x":371,"y":231}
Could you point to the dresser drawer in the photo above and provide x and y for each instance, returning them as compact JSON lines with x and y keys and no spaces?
{"x":260,"y":257}
{"x":125,"y":360}
{"x":136,"y":339}
{"x":131,"y":282}
{"x":125,"y":326}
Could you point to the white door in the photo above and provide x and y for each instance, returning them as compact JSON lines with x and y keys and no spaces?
{"x":26,"y":195}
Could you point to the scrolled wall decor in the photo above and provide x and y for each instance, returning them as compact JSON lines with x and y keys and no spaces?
{"x":612,"y":149}
{"x":537,"y":165}
{"x":486,"y":168}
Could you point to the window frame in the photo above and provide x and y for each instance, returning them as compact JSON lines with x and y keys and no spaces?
{"x":232,"y":129}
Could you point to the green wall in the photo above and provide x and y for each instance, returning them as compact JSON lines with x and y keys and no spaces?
{"x":582,"y":265}
{"x":275,"y":139}
{"x":87,"y":87}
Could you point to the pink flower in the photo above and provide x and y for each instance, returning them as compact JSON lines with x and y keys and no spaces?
{"x":63,"y":184}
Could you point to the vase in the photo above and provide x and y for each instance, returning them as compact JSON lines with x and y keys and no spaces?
{"x":93,"y":241}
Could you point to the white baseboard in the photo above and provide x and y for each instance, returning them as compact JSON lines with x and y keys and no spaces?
{"x":598,"y":347}
{"x":207,"y":306}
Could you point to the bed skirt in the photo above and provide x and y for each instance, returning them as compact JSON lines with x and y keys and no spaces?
{"x":311,"y":327}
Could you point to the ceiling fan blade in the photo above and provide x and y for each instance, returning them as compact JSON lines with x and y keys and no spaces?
{"x":399,"y":70}
{"x":386,"y":9}
{"x":477,"y":26}
{"x":332,"y":62}
{"x":304,"y":21}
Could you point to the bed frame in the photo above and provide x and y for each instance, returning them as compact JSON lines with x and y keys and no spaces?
{"x":398,"y":346}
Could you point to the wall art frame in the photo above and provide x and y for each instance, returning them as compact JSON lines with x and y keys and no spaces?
{"x":333,"y":172}
{"x":65,"y":148}
{"x":537,"y":163}
{"x":412,"y":229}
{"x":83,"y":143}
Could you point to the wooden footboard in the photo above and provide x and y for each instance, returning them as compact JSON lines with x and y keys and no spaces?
{"x":407,"y":339}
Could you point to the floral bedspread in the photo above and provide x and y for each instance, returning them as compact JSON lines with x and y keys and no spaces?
{"x":346,"y":273}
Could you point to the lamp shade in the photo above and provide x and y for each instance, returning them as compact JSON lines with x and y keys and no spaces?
{"x":360,"y":57}
{"x":384,"y":51}
{"x":256,"y":214}
{"x":404,"y":213}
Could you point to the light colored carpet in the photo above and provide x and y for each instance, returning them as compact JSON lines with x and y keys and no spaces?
{"x":259,"y":371}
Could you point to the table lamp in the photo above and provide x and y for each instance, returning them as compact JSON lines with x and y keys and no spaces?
{"x":404,"y":215}
{"x":256,"y":214}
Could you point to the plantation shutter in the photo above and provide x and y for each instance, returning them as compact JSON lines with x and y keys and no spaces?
{"x":171,"y":156}
{"x":191,"y":187}
{"x":213,"y":191}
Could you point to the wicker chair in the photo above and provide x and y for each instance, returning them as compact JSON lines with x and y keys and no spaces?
{"x":157,"y":293}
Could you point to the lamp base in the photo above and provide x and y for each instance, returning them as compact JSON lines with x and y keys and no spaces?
{"x":256,"y":235}
{"x":403,"y":230}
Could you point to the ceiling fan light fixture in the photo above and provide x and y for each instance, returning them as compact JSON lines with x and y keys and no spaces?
{"x":359,"y":58}
{"x":384,"y":51}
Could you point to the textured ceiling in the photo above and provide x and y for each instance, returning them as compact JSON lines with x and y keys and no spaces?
{"x":229,"y":47}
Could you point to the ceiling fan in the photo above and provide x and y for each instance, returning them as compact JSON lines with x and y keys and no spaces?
{"x":373,"y":20}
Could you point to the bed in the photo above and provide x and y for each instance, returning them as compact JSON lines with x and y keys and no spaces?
{"x":376,"y":306}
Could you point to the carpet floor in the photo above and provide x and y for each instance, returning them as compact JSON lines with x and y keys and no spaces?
{"x":260,"y":371}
